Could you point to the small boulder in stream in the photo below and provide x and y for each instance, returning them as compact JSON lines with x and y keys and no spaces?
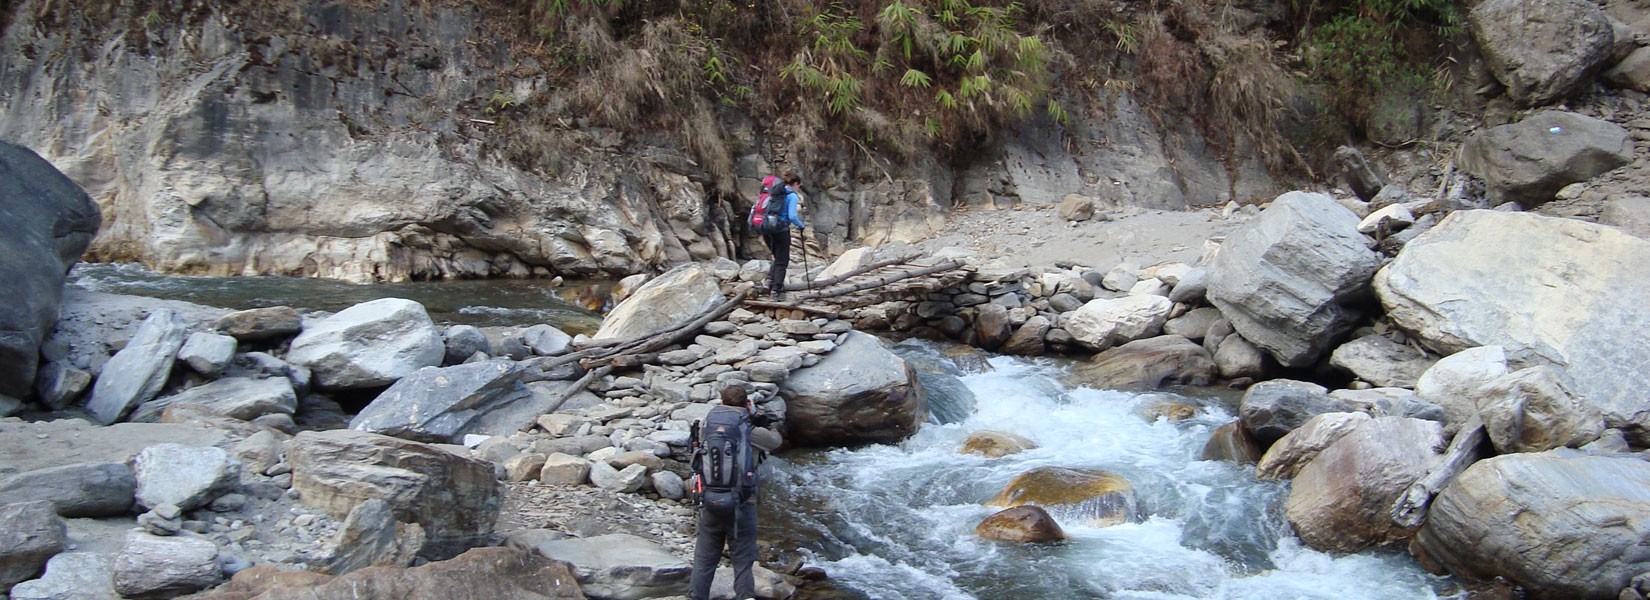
{"x":1026,"y":524}
{"x":1097,"y":498}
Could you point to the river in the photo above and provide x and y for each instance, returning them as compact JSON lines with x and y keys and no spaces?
{"x":896,"y":522}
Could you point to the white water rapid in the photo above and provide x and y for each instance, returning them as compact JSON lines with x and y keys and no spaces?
{"x":897,"y":522}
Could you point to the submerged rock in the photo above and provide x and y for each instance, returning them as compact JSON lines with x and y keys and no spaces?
{"x":1098,"y":498}
{"x":1021,"y":524}
{"x":995,"y":444}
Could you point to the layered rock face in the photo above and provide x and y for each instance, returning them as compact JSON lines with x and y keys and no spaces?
{"x":45,"y":223}
{"x":396,"y":142}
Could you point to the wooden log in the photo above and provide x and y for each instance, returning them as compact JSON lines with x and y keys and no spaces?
{"x":1468,"y":447}
{"x":881,"y":281}
{"x":575,"y":388}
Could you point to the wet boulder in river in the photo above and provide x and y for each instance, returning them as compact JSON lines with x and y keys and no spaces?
{"x":1098,"y":498}
{"x":995,"y":444}
{"x":1024,"y":524}
{"x":859,"y":394}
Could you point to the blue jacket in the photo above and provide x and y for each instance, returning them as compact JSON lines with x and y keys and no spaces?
{"x":791,"y":201}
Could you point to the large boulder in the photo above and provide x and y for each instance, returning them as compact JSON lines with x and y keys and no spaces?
{"x":1341,"y":501}
{"x":438,"y":404}
{"x":72,"y":576}
{"x":136,"y":373}
{"x":1455,"y":380}
{"x":1297,"y":448}
{"x":617,"y":566}
{"x":75,"y":490}
{"x":1529,"y":161}
{"x":860,"y":393}
{"x":30,"y":534}
{"x":370,"y":344}
{"x":1541,"y":49}
{"x":1563,"y":291}
{"x":1285,"y":279}
{"x":1561,"y":524}
{"x":491,"y":573}
{"x":371,"y":537}
{"x":46,"y":221}
{"x":454,"y":498}
{"x":187,"y":477}
{"x":1148,"y":364}
{"x":261,"y":324}
{"x":667,"y":300}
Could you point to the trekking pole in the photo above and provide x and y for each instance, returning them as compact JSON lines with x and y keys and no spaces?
{"x":807,"y":274}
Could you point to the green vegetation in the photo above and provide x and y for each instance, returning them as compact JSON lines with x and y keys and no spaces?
{"x":1362,"y":47}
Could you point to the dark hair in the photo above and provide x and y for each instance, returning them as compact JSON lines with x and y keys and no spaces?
{"x":792,"y":178}
{"x":733,"y":395}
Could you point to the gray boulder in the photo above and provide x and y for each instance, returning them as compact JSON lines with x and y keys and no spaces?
{"x":235,"y":397}
{"x":75,"y":490}
{"x":1561,"y":524}
{"x":154,"y":566}
{"x":861,"y":393}
{"x":1541,"y":49}
{"x":1028,"y":339}
{"x":1529,"y":161}
{"x":1102,"y":323}
{"x":626,"y":480}
{"x":666,"y":300}
{"x":1236,"y":357}
{"x":1391,"y":402}
{"x":368,"y":345}
{"x":1455,"y":380}
{"x":188,"y":477}
{"x":1630,"y":214}
{"x":1193,"y":325}
{"x":30,"y":534}
{"x":1192,"y":286}
{"x":1148,"y":364}
{"x":1342,"y":500}
{"x":437,"y":404}
{"x":1273,"y":408}
{"x":620,"y":566}
{"x":136,"y":373}
{"x":207,"y":353}
{"x":1285,"y":278}
{"x":454,"y":498}
{"x":1381,"y":361}
{"x":72,"y":576}
{"x":371,"y":537}
{"x":546,"y":340}
{"x":58,"y":384}
{"x":46,"y":222}
{"x":464,"y":341}
{"x":1561,"y":291}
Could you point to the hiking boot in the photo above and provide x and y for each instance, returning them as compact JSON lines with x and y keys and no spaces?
{"x":777,"y":295}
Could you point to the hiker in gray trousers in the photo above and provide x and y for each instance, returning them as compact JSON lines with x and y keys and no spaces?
{"x":738,"y":534}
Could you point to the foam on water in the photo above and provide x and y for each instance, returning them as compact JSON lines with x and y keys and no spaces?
{"x":897,"y":522}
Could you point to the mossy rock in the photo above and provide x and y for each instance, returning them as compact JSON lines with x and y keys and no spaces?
{"x":1022,"y":525}
{"x":1094,"y":497}
{"x":995,"y":444}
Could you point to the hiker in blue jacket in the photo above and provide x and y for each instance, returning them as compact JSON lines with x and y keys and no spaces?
{"x":779,"y":242}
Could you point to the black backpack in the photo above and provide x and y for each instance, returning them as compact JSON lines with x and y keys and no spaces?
{"x":767,"y":215}
{"x":724,"y":464}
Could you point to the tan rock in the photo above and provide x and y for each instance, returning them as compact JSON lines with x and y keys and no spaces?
{"x":523,"y":467}
{"x":1232,"y":443}
{"x":1021,"y":524}
{"x":995,"y":444}
{"x":1342,"y":500}
{"x":1099,"y":498}
{"x":1286,"y":457}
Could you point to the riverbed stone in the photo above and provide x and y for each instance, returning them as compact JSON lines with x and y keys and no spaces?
{"x":1528,"y":162}
{"x":1027,"y":340}
{"x":1532,"y":410}
{"x":1096,"y":498}
{"x":184,"y":476}
{"x":1026,"y":524}
{"x":1561,"y":523}
{"x":372,"y":537}
{"x":861,"y":393}
{"x":368,"y":345}
{"x":207,"y":353}
{"x":492,"y":573}
{"x":1231,"y":443}
{"x":136,"y":373}
{"x":58,"y":384}
{"x":1559,"y":291}
{"x":564,"y":469}
{"x":460,"y":342}
{"x":1148,"y":364}
{"x":1102,"y":323}
{"x":1289,"y":278}
{"x":1273,"y":408}
{"x":620,"y":566}
{"x":236,"y":397}
{"x":30,"y":534}
{"x":261,"y":324}
{"x":546,"y":340}
{"x":1235,"y":357}
{"x":75,"y":490}
{"x":1298,"y":447}
{"x":441,"y":404}
{"x":72,"y":576}
{"x":1341,"y":501}
{"x":150,"y":565}
{"x":674,"y":296}
{"x":454,"y":498}
{"x":995,"y":444}
{"x":46,"y":222}
{"x":1380,"y":361}
{"x":1455,"y":380}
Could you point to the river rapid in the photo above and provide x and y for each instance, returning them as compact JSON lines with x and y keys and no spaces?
{"x":897,"y":522}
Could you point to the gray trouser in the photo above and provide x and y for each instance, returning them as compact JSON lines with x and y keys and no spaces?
{"x":739,"y":533}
